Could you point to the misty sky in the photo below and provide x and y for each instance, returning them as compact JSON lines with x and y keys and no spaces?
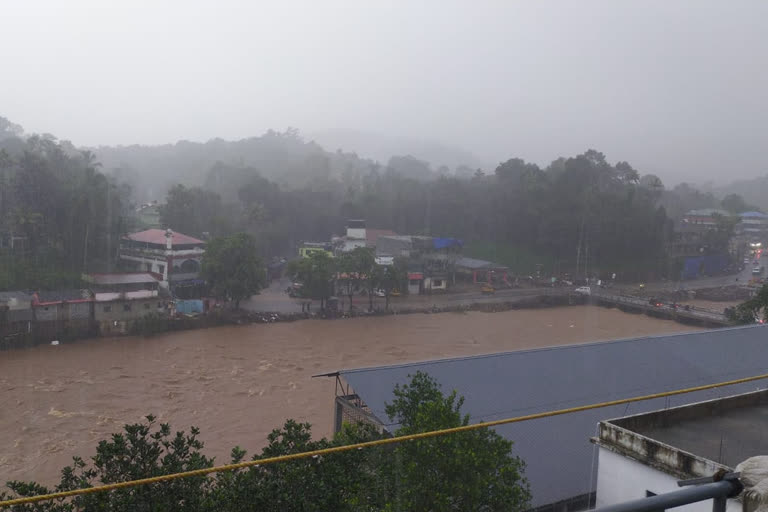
{"x":679,"y":88}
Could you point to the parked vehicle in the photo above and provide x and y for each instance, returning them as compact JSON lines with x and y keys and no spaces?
{"x":295,"y":290}
{"x":488,"y":290}
{"x":583,"y":290}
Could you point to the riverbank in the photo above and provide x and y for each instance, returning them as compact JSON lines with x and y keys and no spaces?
{"x":238,"y":382}
{"x":152,"y":325}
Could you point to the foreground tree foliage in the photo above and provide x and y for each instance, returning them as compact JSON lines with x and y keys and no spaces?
{"x":470,"y":471}
{"x":752,"y":310}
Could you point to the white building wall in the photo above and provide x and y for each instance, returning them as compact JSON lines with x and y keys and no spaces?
{"x":622,"y":479}
{"x":358,"y":233}
{"x":435,"y":284}
{"x":351,"y":245}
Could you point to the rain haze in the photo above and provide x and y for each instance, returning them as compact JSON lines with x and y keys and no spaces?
{"x":232,"y":230}
{"x":675,"y":88}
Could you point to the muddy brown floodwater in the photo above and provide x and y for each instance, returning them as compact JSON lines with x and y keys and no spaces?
{"x":238,"y":383}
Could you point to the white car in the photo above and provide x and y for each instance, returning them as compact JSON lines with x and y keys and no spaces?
{"x":583,"y":290}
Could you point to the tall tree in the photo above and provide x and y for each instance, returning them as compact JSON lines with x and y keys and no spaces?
{"x":393,"y":278}
{"x":194,"y":211}
{"x":351,"y":267}
{"x":473,"y":470}
{"x":316,"y":274}
{"x":232,"y":267}
{"x":734,"y":203}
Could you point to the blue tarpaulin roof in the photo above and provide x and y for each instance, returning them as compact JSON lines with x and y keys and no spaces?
{"x":559,"y":457}
{"x":444,"y":243}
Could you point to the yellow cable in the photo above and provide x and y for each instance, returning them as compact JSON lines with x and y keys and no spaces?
{"x":368,"y":444}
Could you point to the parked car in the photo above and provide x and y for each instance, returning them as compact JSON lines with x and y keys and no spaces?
{"x":583,"y":290}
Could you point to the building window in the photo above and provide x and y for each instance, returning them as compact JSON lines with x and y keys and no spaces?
{"x":159,"y":305}
{"x":146,"y":306}
{"x":438,"y":283}
{"x":160,"y":269}
{"x":107,"y":309}
{"x":126,"y":307}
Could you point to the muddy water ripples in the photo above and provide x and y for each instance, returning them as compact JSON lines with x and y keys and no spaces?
{"x":238,"y":383}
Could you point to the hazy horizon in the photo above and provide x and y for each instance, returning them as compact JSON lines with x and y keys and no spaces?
{"x":675,"y":88}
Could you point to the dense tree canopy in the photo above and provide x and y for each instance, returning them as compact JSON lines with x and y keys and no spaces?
{"x":580,"y":214}
{"x":232,"y":267}
{"x":752,"y":310}
{"x":316,"y":273}
{"x":59,"y":215}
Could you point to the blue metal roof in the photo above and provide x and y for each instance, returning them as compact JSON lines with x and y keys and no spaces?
{"x":758,"y":215}
{"x":560,"y":459}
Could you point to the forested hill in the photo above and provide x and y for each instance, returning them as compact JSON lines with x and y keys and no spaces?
{"x":283,"y":157}
{"x":71,"y":206}
{"x":59,"y":215}
{"x":754,"y":191}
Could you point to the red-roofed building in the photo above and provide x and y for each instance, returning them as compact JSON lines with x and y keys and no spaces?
{"x":174,"y":256}
{"x":372,"y":235}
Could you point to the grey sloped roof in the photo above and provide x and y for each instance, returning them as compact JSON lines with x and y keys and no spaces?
{"x":561,"y":462}
{"x":474,"y":263}
{"x":14,"y":297}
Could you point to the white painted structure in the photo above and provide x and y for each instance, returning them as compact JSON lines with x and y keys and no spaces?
{"x":356,"y":230}
{"x":174,"y":256}
{"x":435,"y":284}
{"x":621,"y":478}
{"x":647,"y":454}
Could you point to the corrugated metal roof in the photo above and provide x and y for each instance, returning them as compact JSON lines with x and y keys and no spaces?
{"x":557,"y":450}
{"x":50,"y":297}
{"x":157,"y":236}
{"x":756,"y":215}
{"x":372,"y":235}
{"x":473,"y":263}
{"x":707,"y":212}
{"x":122,"y":278}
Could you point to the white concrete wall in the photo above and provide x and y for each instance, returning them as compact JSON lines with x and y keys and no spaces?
{"x":351,"y":245}
{"x":435,"y":284}
{"x":622,"y":479}
{"x":358,"y":233}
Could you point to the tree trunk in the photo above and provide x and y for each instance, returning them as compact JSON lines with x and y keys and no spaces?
{"x":85,"y":248}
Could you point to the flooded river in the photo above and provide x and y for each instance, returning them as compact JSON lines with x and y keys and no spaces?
{"x":237,"y":383}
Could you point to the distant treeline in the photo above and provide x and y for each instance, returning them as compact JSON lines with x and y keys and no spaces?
{"x":67,"y":211}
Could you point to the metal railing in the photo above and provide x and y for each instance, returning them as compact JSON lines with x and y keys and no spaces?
{"x":645,"y":303}
{"x":718,"y":488}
